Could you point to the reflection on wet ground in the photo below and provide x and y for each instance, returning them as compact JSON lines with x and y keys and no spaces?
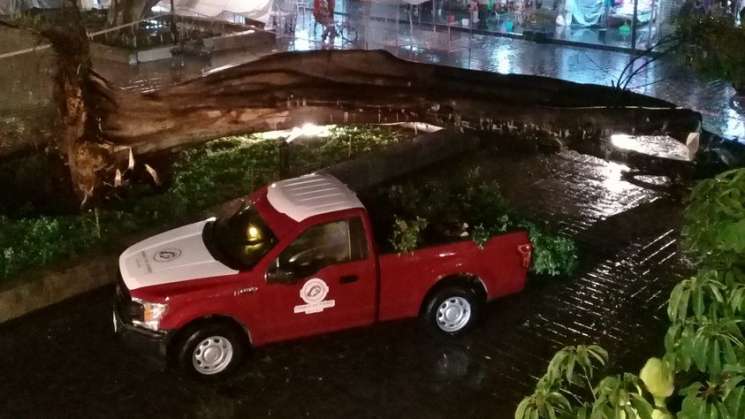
{"x":64,"y":361}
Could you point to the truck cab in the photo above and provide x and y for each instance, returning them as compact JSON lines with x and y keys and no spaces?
{"x":297,"y":259}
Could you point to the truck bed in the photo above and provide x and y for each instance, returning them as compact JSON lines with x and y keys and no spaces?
{"x":406,"y":278}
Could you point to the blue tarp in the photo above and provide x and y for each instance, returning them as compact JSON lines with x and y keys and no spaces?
{"x":585,"y":12}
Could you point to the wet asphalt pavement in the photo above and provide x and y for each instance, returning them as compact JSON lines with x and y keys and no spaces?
{"x":63,"y":361}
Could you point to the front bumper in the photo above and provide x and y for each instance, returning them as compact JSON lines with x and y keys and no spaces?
{"x":152,"y":345}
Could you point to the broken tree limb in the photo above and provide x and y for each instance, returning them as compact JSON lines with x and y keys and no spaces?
{"x":345,"y":87}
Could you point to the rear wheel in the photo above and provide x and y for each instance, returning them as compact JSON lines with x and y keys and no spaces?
{"x":211,"y":351}
{"x":452,"y":311}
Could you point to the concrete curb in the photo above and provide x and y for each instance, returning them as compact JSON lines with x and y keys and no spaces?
{"x":54,"y":286}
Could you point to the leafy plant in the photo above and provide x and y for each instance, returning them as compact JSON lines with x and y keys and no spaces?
{"x":618,"y":396}
{"x":567,"y":389}
{"x":570,"y":369}
{"x":468,"y":206}
{"x":714,"y":229}
{"x":41,"y":240}
{"x":700,"y":297}
{"x":407,"y":234}
{"x":553,"y":254}
{"x":706,"y":346}
{"x":722,"y":398}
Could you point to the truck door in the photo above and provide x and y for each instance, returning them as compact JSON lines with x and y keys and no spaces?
{"x":324,"y":280}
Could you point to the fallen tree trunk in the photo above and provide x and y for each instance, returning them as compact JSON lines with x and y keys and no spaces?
{"x":322,"y":87}
{"x":343,"y":87}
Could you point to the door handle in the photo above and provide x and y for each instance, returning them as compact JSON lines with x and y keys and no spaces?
{"x":346,"y":279}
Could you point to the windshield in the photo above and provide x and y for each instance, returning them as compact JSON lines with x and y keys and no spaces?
{"x":241,"y":240}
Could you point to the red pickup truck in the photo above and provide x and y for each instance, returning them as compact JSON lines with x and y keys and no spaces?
{"x":298,"y":259}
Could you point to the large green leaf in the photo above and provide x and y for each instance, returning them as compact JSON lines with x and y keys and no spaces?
{"x":732,"y":236}
{"x":735,"y":403}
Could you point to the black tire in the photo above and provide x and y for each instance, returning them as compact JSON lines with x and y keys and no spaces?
{"x":226,"y":347}
{"x":435,"y":318}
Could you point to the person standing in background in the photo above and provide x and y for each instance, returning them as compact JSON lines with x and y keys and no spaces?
{"x":323,"y":12}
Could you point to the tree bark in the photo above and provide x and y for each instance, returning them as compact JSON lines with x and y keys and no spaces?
{"x":344,"y":87}
{"x":125,"y":11}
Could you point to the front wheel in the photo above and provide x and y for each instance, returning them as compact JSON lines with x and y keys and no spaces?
{"x":452,"y":311}
{"x":210,"y":351}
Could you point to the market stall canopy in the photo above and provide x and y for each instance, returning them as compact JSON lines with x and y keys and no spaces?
{"x":414,"y":2}
{"x":252,"y":9}
{"x":258,"y":10}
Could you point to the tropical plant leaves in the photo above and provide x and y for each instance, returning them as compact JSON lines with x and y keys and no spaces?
{"x":707,"y":347}
{"x":701,"y":296}
{"x":620,"y":396}
{"x":714,"y":228}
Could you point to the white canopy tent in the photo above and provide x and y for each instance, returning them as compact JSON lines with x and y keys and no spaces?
{"x":253,"y":9}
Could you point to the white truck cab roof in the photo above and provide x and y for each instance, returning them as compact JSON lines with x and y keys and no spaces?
{"x":309,"y":195}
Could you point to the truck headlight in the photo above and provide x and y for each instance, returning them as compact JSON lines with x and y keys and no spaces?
{"x":151,"y":314}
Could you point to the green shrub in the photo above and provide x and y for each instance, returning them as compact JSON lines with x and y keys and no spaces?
{"x":714,"y":229}
{"x":469,"y":206}
{"x":407,"y":234}
{"x":553,"y":254}
{"x":42,"y":240}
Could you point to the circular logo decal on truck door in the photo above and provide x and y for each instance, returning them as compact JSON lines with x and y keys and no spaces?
{"x":314,"y":292}
{"x":167,"y":255}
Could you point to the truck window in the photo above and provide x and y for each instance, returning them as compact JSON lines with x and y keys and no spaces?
{"x":241,"y":240}
{"x":320,"y":246}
